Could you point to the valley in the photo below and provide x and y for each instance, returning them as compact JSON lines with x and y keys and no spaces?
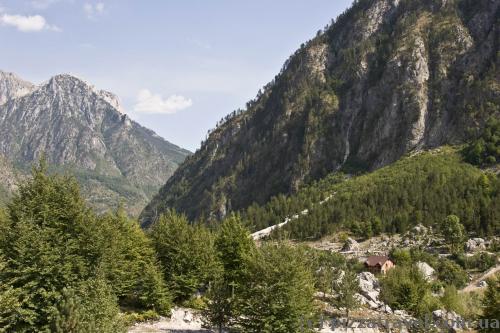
{"x":359,"y":191}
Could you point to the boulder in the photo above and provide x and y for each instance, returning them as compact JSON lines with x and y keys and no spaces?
{"x":426,"y":270}
{"x":370,"y":288}
{"x":449,"y":318}
{"x":350,"y":245}
{"x":482,"y":284}
{"x":475,"y":244}
{"x":420,"y":229}
{"x":386,"y":308}
{"x":368,"y":282}
{"x":362,"y":300}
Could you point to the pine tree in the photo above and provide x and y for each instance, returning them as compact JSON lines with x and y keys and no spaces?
{"x":131,"y":266}
{"x":454,"y":233}
{"x":346,"y":288}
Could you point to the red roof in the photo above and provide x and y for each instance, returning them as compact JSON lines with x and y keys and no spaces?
{"x":373,"y":261}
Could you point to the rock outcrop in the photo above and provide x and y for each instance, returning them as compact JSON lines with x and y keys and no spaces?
{"x":475,"y":244}
{"x":350,"y":245}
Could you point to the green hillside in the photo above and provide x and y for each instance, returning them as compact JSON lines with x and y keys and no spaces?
{"x":417,"y":189}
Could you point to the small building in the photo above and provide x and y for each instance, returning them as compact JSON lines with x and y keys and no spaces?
{"x":378,"y":264}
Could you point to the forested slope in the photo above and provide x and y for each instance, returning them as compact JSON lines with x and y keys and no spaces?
{"x":424,"y":188}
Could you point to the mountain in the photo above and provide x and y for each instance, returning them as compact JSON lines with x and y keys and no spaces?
{"x":388,"y":77}
{"x":84,"y":131}
{"x":12,"y":86}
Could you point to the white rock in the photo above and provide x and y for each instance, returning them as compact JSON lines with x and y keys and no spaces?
{"x":475,"y":244}
{"x":482,"y":284}
{"x":350,"y":245}
{"x":426,"y":270}
{"x":451,"y":317}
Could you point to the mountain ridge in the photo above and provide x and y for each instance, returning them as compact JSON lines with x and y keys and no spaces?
{"x":386,"y":78}
{"x":79,"y":128}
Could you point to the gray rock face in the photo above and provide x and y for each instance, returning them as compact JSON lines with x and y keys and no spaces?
{"x":388,"y":78}
{"x":370,"y":290}
{"x":452,"y":319}
{"x":82,"y":129}
{"x":475,"y":244}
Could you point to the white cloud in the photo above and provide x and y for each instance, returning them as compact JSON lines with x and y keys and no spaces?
{"x":93,"y":10}
{"x":147,"y":102}
{"x":22,"y":23}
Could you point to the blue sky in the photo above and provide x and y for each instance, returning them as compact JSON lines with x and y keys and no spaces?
{"x":178,"y":66}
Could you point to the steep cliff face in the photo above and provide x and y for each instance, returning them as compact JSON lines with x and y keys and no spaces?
{"x":83,"y":130}
{"x":387,"y":78}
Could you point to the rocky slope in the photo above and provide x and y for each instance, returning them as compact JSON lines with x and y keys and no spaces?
{"x":386,"y":78}
{"x":83,"y":130}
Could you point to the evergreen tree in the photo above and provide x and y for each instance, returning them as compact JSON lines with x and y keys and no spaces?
{"x":48,"y":247}
{"x":277,"y":291}
{"x":219,"y":310}
{"x":130,"y":264}
{"x":233,"y":243}
{"x":405,"y":288}
{"x":491,"y":303}
{"x":346,"y":288}
{"x":454,"y":233}
{"x":186,"y":254}
{"x":60,"y":261}
{"x":90,"y":307}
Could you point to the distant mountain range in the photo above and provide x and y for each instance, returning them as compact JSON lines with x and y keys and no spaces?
{"x":387,"y":78}
{"x":84,"y":131}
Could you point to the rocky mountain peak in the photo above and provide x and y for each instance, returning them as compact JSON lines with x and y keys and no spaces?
{"x":12,"y":86}
{"x":76,"y":126}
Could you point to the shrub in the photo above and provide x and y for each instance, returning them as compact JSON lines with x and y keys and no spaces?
{"x":451,"y":273}
{"x":405,"y":288}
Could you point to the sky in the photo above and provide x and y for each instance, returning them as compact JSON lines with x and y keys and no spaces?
{"x":177,"y":66}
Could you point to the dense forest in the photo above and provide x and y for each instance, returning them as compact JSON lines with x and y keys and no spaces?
{"x":424,"y":188}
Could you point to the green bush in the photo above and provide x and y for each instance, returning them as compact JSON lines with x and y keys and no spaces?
{"x":451,"y":273}
{"x":405,"y":288}
{"x":481,"y":261}
{"x":401,"y":257}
